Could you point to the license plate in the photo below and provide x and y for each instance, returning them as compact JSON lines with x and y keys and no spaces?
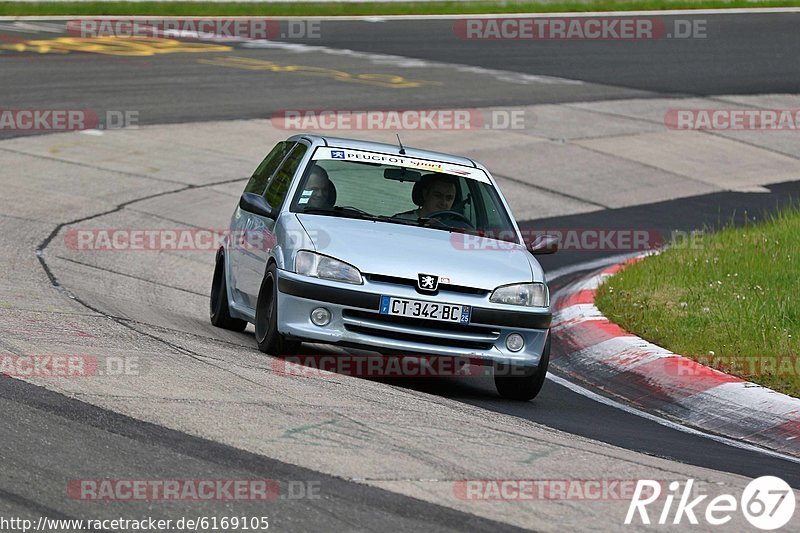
{"x":425,"y":310}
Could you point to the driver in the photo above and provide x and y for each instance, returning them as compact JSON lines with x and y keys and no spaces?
{"x":438,"y":194}
{"x":321,"y":188}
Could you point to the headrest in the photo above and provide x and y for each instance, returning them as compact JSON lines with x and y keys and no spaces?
{"x":331,"y":194}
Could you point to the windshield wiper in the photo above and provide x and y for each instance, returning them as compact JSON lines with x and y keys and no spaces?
{"x":357,"y":214}
{"x":422,"y":221}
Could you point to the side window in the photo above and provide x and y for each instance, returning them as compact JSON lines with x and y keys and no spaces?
{"x":489,"y":210}
{"x":279,"y":185}
{"x":258,"y":182}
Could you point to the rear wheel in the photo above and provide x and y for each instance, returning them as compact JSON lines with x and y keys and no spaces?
{"x":219,"y":312}
{"x":522,"y":383}
{"x":267,"y":336}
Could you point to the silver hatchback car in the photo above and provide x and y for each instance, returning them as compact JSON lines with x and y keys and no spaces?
{"x":389,"y":249}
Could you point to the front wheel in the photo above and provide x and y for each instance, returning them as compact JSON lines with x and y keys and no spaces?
{"x":269,"y":340}
{"x":523,"y":383}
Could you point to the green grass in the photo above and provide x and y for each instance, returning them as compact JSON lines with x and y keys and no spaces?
{"x":298,"y":9}
{"x":735,"y":293}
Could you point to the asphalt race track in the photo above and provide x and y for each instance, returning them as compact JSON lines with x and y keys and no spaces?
{"x":381,"y":454}
{"x":748,"y":54}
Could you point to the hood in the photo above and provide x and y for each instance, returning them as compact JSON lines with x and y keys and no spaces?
{"x":406,"y":251}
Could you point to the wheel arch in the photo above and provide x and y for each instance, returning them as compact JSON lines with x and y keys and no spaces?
{"x":228,"y":275}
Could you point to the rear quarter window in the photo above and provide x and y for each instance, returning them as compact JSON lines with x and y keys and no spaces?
{"x":260,"y":178}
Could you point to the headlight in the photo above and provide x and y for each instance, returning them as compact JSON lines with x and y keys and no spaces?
{"x":527,"y":294}
{"x":324,"y":267}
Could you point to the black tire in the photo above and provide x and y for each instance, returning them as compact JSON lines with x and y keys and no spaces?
{"x":523,"y":384}
{"x":269,"y":340}
{"x":218,"y":310}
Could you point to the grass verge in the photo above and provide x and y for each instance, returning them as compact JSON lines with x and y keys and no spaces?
{"x":299,"y":9}
{"x":731,"y":301}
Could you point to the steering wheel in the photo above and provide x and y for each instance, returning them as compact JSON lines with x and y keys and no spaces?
{"x":451,"y":215}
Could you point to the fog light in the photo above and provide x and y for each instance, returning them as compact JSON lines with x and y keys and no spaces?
{"x":320,"y":316}
{"x":515,"y":342}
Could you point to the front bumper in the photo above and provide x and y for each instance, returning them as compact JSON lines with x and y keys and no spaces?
{"x":355,"y":321}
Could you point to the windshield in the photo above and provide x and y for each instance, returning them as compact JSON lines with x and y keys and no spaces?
{"x":401,"y":190}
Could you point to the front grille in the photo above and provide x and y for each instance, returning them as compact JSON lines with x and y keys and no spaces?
{"x":396,"y":335}
{"x":413,"y":283}
{"x":432,"y":325}
{"x":419,"y":330}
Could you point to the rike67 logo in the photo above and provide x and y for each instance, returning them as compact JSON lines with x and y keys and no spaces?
{"x":767,"y":502}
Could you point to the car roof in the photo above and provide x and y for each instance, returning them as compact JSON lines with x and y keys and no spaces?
{"x":356,"y":144}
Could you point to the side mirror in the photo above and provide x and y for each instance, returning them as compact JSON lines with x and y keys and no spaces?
{"x":256,"y":204}
{"x":543,"y":244}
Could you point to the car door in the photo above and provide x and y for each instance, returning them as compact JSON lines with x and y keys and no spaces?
{"x":261,"y":230}
{"x":242,"y":220}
